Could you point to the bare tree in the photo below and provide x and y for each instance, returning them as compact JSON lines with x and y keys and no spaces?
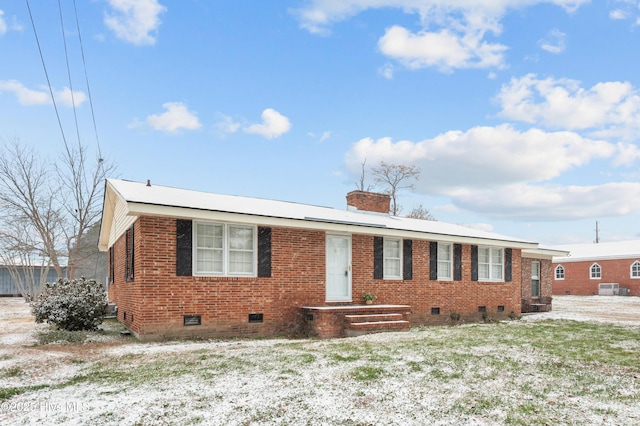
{"x":394,"y":178}
{"x":360,"y":186}
{"x":421,"y":212}
{"x":57,"y":203}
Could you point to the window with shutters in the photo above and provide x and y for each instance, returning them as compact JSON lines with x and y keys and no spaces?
{"x":224,"y":249}
{"x":490,"y":264}
{"x":445,"y":261}
{"x":392,"y":258}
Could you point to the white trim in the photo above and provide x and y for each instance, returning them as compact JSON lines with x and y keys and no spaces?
{"x":385,"y":275}
{"x":599,"y":271}
{"x":225,"y":250}
{"x":555,"y":273}
{"x":349,"y":296}
{"x":450,"y":261}
{"x":631,"y":270}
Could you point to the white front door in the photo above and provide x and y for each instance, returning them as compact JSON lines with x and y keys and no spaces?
{"x":338,"y":268}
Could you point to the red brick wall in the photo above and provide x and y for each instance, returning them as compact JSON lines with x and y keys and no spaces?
{"x":577,"y":276}
{"x":157,"y":299}
{"x":546,"y":282}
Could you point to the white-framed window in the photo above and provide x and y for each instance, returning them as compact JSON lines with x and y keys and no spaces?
{"x":392,"y":258}
{"x":596,"y":272}
{"x":635,"y":269}
{"x":490,"y":264}
{"x":535,"y":279}
{"x":224,"y":249}
{"x":559,"y":273}
{"x":445,"y":261}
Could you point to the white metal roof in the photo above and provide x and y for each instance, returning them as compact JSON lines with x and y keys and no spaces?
{"x":600,"y":251}
{"x":137,"y":199}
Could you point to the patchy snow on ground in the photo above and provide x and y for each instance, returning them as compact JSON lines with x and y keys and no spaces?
{"x":318,"y":382}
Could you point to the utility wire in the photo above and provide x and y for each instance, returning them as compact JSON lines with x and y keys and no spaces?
{"x":66,"y":57}
{"x":53,"y":99}
{"x":86,"y":77}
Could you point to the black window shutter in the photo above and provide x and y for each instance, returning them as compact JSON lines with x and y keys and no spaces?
{"x":474,"y":263}
{"x":127,"y":244}
{"x":457,"y":262}
{"x":433,"y":260}
{"x":407,"y":259}
{"x":507,"y":265}
{"x":378,"y":258}
{"x":264,"y":252}
{"x":183,"y":247}
{"x":131,"y":255}
{"x":111,"y":264}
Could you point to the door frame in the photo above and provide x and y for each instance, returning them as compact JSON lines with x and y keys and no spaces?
{"x":349,"y":297}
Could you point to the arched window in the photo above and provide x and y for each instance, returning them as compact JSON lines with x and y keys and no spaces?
{"x":635,"y":269}
{"x":559,"y":272}
{"x":596,"y":272}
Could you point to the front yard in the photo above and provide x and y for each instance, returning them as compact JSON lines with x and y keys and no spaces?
{"x":544,"y":369}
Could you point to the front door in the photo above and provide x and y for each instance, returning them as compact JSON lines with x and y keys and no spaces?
{"x":338,"y":268}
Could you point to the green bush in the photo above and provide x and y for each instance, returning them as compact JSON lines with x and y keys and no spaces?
{"x":71,"y":305}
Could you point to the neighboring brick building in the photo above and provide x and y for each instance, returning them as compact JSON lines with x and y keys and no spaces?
{"x":603,"y":268}
{"x":186,"y":263}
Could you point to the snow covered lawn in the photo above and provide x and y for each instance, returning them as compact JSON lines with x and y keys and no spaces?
{"x":579,"y":364}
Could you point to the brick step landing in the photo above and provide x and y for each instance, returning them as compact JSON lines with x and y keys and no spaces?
{"x":356,"y":325}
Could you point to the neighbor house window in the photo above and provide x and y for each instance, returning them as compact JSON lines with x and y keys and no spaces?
{"x":596,"y":272}
{"x":535,"y":279}
{"x":392,"y":258}
{"x":224,"y":249}
{"x":445,"y":261}
{"x":559,"y":272}
{"x":635,"y":269}
{"x":490,"y":264}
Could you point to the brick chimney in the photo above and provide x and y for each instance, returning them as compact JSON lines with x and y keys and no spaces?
{"x":369,"y":201}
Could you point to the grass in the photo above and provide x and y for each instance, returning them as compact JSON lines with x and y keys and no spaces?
{"x":513,"y":373}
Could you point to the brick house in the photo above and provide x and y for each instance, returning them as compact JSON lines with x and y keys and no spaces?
{"x":603,"y":268}
{"x":185,"y":263}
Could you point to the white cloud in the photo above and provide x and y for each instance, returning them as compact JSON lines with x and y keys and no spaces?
{"x":444,"y":50}
{"x":176,"y":117}
{"x":134,"y":20}
{"x":484,"y":156}
{"x":452,"y":35}
{"x":273,"y":125}
{"x":325,"y":136}
{"x":28,"y":97}
{"x":618,"y":14}
{"x":607,"y":109}
{"x":226,"y":125}
{"x":528,"y":202}
{"x":3,"y":24}
{"x":554,"y":42}
{"x":386,"y":71}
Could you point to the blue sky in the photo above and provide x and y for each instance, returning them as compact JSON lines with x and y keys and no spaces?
{"x":523,"y":116}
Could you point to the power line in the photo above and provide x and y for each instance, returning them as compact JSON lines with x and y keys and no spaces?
{"x":86,"y":77}
{"x":53,"y":99}
{"x":66,"y":57}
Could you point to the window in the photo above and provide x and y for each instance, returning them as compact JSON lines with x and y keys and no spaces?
{"x":490,"y":264}
{"x":445,"y":261}
{"x":559,"y":272}
{"x":224,"y":249}
{"x":635,"y":269}
{"x":535,"y":279}
{"x":596,"y":272}
{"x":392,"y":258}
{"x":129,"y":255}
